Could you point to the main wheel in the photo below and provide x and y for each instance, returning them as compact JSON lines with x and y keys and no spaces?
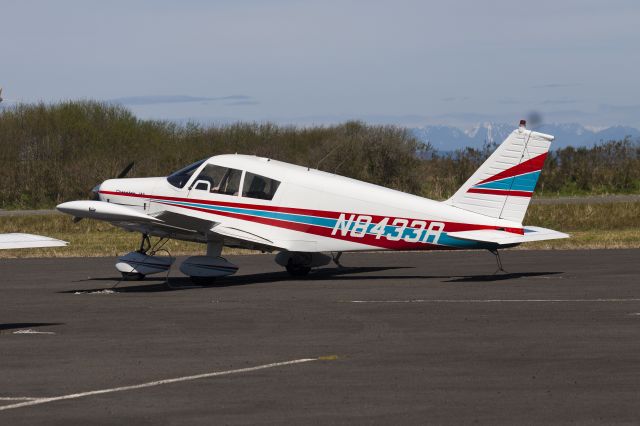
{"x":297,"y":270}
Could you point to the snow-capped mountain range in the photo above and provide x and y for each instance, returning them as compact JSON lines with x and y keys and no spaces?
{"x":449,"y":138}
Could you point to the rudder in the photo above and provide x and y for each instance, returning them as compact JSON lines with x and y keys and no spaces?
{"x":502,"y":187}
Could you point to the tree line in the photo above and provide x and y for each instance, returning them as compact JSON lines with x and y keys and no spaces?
{"x":50,"y":153}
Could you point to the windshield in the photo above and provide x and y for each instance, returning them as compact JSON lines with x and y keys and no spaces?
{"x":180,"y":178}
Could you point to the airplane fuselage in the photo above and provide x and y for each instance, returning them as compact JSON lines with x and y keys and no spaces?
{"x":310,"y":211}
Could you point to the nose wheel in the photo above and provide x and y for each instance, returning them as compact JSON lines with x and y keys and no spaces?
{"x":132,"y":276}
{"x":145,"y":245}
{"x":136,"y":265}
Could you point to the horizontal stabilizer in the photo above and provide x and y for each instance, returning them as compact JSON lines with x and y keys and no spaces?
{"x":17,"y":241}
{"x":531,"y":233}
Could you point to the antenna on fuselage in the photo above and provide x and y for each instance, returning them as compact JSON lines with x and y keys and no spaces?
{"x":325,"y":157}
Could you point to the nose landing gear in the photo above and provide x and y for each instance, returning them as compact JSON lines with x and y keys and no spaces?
{"x":138,"y":264}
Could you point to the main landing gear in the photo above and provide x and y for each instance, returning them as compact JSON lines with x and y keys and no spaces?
{"x":296,"y":269}
{"x":204,"y":270}
{"x":299,"y":264}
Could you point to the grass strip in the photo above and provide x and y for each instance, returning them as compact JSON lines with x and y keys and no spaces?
{"x":611,"y":225}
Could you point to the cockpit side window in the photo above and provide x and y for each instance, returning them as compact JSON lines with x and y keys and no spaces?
{"x":222,"y":180}
{"x":256,"y":186}
{"x":180,"y":178}
{"x":230,"y":183}
{"x":212,"y":174}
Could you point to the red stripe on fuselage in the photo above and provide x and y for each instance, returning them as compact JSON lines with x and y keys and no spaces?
{"x":322,"y":231}
{"x":314,"y":229}
{"x":451,"y":226}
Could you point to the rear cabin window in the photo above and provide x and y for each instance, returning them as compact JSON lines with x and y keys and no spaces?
{"x":222,"y":180}
{"x":256,"y":186}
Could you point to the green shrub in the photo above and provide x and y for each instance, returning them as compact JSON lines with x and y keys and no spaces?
{"x":52,"y":153}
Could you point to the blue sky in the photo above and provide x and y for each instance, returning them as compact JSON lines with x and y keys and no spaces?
{"x":404,"y":62}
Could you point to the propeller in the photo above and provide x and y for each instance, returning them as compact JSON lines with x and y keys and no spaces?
{"x":126,"y":170}
{"x":95,"y":191}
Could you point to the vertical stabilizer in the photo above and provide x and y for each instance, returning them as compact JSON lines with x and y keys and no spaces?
{"x":502,"y":187}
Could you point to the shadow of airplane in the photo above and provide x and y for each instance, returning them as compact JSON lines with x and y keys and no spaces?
{"x":500,"y":277}
{"x":185,"y":283}
{"x":318,"y":275}
{"x":18,"y":325}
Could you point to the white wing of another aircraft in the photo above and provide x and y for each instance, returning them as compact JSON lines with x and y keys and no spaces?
{"x":18,"y":241}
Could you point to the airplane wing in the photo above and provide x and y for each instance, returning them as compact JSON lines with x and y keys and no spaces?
{"x":191,"y":228}
{"x":531,"y":233}
{"x":167,"y":224}
{"x":17,"y":241}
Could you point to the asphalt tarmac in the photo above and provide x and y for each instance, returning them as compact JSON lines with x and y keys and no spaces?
{"x":391,"y":338}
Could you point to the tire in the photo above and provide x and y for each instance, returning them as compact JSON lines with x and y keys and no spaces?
{"x":297,"y":270}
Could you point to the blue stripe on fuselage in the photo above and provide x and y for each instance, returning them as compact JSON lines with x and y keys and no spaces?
{"x":389,"y":230}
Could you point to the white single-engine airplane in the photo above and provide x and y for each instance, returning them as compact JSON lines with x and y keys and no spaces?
{"x":310,"y":217}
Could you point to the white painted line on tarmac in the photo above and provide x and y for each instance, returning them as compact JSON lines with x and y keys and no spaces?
{"x":29,"y":331}
{"x":496,"y":301}
{"x":105,"y":291}
{"x":38,"y":401}
{"x":16,"y":398}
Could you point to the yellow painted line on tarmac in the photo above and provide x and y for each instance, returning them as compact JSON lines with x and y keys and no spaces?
{"x":328,"y":358}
